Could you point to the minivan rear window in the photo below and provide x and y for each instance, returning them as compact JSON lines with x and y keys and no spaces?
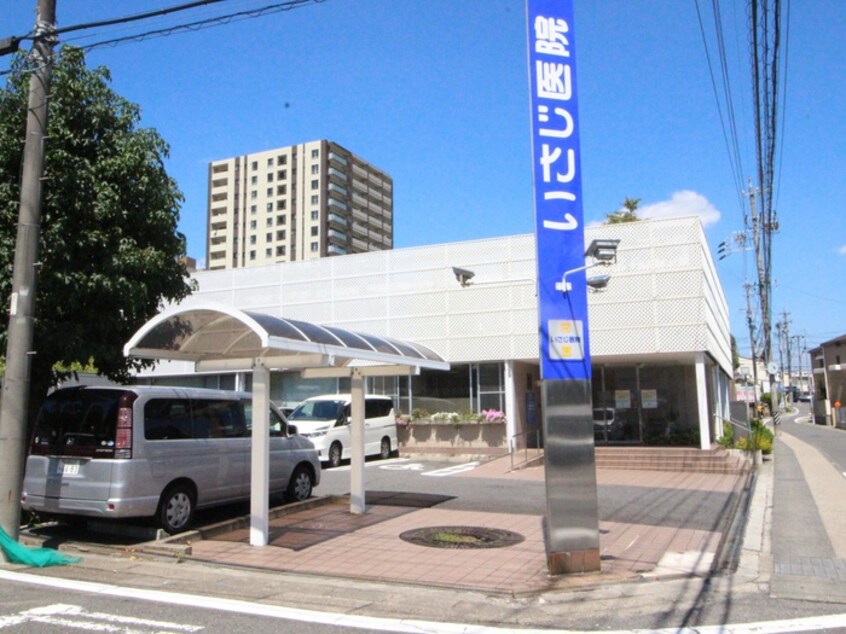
{"x":77,"y":423}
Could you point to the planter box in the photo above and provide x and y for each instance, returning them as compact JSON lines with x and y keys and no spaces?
{"x":453,"y":438}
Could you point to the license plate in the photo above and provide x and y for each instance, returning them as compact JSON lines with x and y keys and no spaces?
{"x":70,"y":468}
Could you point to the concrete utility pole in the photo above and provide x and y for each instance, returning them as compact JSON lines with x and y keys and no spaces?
{"x":15,"y":403}
{"x":785,"y":324}
{"x":761,"y":234}
{"x":751,"y":324}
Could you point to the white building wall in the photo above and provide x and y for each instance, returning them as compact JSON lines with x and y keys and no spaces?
{"x":664,"y":298}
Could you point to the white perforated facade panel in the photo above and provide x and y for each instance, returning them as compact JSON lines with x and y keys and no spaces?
{"x":664,"y":297}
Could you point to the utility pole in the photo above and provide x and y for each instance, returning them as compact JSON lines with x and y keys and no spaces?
{"x":751,"y":323}
{"x":780,"y":331}
{"x":762,"y":230}
{"x":785,"y":320}
{"x":15,"y":403}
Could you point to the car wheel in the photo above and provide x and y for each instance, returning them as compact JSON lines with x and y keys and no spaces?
{"x":300,"y":485}
{"x":385,"y":449}
{"x":176,"y":508}
{"x":335,"y":452}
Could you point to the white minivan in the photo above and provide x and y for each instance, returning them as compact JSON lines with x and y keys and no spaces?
{"x":150,"y":451}
{"x":325,"y":421}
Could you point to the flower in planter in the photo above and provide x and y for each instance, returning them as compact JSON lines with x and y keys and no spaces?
{"x":492,"y":416}
{"x":446,"y":417}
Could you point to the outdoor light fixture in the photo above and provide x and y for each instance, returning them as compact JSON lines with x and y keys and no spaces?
{"x":603,"y":252}
{"x":463,"y":275}
{"x":598,"y":282}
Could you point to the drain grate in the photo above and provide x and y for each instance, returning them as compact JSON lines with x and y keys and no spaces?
{"x":461,"y":537}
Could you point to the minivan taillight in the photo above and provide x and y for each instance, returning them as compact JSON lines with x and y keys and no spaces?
{"x":123,"y":433}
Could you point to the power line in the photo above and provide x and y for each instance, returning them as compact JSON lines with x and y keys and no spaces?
{"x":227,"y":18}
{"x":197,"y":25}
{"x":136,"y":17}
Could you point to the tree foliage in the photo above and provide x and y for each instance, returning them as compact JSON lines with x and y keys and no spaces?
{"x":109,"y":251}
{"x":626,"y":213}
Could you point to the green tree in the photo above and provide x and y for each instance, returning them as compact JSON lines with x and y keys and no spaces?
{"x":109,"y":252}
{"x":735,"y":354}
{"x":626,"y":213}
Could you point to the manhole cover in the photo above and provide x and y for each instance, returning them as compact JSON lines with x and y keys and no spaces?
{"x":461,"y":537}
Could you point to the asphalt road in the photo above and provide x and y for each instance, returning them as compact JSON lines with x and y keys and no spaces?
{"x":26,"y":608}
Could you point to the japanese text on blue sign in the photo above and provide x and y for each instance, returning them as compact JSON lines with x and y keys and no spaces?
{"x":562,"y":306}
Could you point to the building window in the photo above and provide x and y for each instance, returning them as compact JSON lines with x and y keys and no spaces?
{"x":280,"y":220}
{"x":270,"y":162}
{"x":315,"y":169}
{"x":314,"y":247}
{"x":254,"y":165}
{"x":270,"y":191}
{"x":269,"y":206}
{"x":252,"y":255}
{"x":315,"y":199}
{"x":270,"y":177}
{"x":313,"y":231}
{"x":315,"y":184}
{"x":282,"y":160}
{"x":253,"y":194}
{"x":254,"y":180}
{"x":281,"y":204}
{"x":280,"y":235}
{"x":280,"y":250}
{"x":252,"y":224}
{"x":269,"y":222}
{"x":315,"y":214}
{"x":315,"y":153}
{"x":281,"y":190}
{"x":252,"y":239}
{"x":268,"y":252}
{"x":281,"y":175}
{"x":268,"y":237}
{"x":253,"y":209}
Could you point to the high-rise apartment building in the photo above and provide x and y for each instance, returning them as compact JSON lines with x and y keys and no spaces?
{"x":296,"y":203}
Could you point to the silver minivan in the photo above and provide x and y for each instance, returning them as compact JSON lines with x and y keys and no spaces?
{"x":150,"y":451}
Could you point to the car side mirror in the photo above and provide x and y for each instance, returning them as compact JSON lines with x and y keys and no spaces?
{"x":292,"y":430}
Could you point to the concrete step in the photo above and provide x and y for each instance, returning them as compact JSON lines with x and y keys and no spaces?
{"x":715,"y":460}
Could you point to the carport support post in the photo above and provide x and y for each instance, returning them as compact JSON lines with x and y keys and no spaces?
{"x":260,"y":457}
{"x":357,"y":505}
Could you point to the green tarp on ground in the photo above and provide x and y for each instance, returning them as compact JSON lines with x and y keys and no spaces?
{"x":39,"y":557}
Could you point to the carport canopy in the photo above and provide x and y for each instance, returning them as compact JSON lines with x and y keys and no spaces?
{"x":221,"y":338}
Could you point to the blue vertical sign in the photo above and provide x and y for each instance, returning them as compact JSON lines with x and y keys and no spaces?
{"x":559,"y":231}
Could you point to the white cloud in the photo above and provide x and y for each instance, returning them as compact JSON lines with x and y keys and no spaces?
{"x":682,"y":203}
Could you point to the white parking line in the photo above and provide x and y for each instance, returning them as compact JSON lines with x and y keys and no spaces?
{"x":379,"y":463}
{"x":453,"y":470}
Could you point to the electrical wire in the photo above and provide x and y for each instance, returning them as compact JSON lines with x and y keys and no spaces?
{"x":197,"y":25}
{"x":729,"y":136}
{"x":136,"y":17}
{"x":275,"y":7}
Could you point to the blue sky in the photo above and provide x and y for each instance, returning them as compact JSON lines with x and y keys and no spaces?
{"x":435,"y":92}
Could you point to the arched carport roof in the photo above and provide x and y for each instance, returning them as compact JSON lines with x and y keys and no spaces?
{"x":218,"y":337}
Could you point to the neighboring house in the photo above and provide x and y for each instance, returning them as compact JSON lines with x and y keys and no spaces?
{"x":659,"y":332}
{"x":828,"y":365}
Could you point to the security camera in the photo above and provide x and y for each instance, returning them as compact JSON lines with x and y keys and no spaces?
{"x":463,"y":275}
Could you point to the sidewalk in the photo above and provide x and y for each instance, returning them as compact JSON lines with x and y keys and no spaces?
{"x":320,"y":538}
